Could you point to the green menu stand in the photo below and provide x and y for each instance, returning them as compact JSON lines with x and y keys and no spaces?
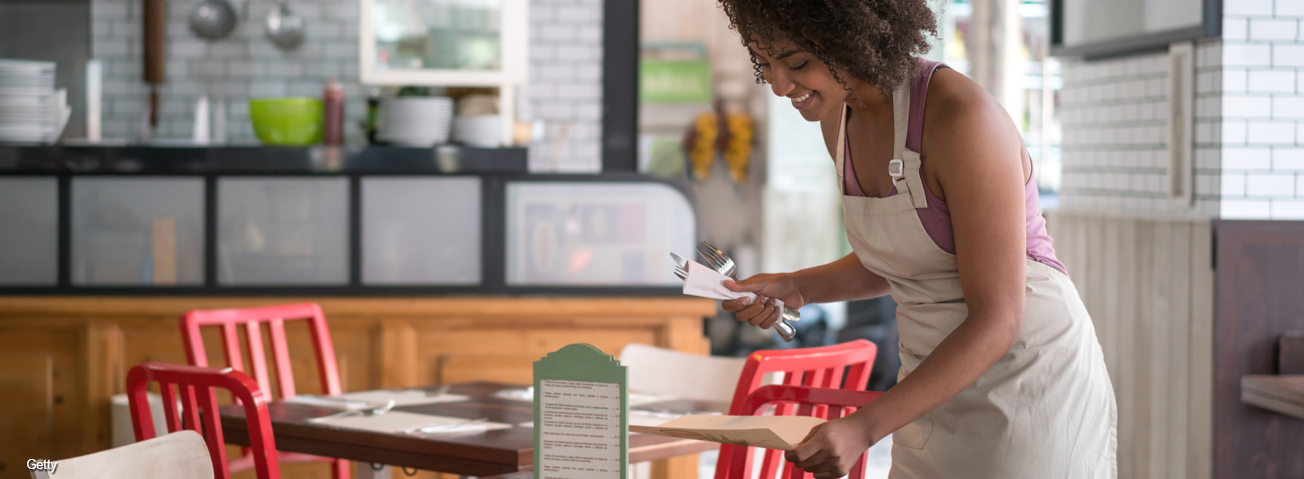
{"x":581,"y":415}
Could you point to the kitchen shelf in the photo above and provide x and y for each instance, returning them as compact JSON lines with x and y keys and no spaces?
{"x":171,"y":160}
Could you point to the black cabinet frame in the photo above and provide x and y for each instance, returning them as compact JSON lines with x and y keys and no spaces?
{"x":494,"y":181}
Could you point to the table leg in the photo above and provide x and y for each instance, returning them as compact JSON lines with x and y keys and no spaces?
{"x":366,"y":471}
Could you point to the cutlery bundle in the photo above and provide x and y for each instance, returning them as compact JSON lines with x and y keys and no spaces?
{"x":723,"y":264}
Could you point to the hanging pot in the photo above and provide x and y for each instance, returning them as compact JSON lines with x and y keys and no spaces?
{"x":213,"y":19}
{"x":284,"y":28}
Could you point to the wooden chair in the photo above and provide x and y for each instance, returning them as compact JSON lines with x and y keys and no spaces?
{"x":841,"y":366}
{"x":275,"y":317}
{"x":818,"y":402}
{"x":180,"y":454}
{"x":199,"y":408}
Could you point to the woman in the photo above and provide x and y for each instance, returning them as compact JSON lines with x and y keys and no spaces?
{"x":1002,"y":375}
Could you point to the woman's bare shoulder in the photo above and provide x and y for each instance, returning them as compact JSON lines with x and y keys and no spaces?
{"x":958,"y":108}
{"x":951,"y":92}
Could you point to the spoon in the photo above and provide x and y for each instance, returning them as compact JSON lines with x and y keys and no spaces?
{"x":377,"y":411}
{"x":284,"y":28}
{"x":212,"y":19}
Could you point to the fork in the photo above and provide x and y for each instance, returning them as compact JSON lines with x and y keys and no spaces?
{"x":722,"y":263}
{"x":376,"y":411}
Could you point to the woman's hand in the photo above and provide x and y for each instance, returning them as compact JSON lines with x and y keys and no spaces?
{"x":763,"y":313}
{"x":831,"y":449}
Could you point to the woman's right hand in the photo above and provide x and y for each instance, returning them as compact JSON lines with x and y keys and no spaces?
{"x":763,"y":313}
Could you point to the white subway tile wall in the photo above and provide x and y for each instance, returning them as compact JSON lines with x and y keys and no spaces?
{"x":1249,"y":123}
{"x":1263,"y":105}
{"x":565,"y":89}
{"x":1115,"y":115}
{"x":564,"y":92}
{"x":236,"y":68}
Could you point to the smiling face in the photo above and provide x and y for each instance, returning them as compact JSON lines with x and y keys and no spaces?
{"x":799,"y":76}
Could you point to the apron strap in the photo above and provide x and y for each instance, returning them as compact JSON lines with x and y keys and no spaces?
{"x":841,"y":154}
{"x":905,"y":164}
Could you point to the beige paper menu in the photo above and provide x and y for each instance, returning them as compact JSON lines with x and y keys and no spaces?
{"x":770,"y":432}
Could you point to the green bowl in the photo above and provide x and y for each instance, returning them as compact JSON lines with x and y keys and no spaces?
{"x":287,"y":121}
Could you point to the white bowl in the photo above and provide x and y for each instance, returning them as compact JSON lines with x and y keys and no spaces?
{"x":485,"y":131}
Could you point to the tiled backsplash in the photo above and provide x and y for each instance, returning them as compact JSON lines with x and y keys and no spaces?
{"x":1263,"y":105}
{"x":564,"y":92}
{"x":1115,"y":116}
{"x":565,"y":89}
{"x":1249,"y":133}
{"x":238,"y":67}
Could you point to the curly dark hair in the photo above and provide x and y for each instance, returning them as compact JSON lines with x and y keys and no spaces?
{"x":875,"y":41}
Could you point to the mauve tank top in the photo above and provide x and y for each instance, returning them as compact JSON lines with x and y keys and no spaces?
{"x":937,"y":216}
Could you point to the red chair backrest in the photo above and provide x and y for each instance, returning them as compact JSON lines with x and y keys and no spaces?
{"x":252,"y":319}
{"x":199,"y":407}
{"x":840,"y":366}
{"x":818,"y":402}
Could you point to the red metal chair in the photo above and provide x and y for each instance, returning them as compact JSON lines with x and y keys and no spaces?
{"x":229,"y":320}
{"x":841,"y":366}
{"x":199,"y":408}
{"x":819,"y":402}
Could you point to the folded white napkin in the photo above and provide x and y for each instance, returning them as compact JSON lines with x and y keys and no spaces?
{"x":705,"y":282}
{"x":329,"y":401}
{"x":402,"y":397}
{"x":400,"y":422}
{"x":371,"y":399}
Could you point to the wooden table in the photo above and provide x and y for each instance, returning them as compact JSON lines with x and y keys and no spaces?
{"x":1280,"y":393}
{"x":491,"y":453}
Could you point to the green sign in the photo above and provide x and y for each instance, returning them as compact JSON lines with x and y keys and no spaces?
{"x":674,"y":81}
{"x":581,"y":415}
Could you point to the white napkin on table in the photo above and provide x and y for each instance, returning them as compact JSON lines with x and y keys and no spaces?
{"x":402,"y":397}
{"x":399,"y":422}
{"x":329,"y":401}
{"x":705,"y":282}
{"x":371,"y":399}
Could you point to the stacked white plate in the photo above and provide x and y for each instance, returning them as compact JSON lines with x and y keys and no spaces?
{"x":31,"y":110}
{"x":485,"y":131}
{"x":414,"y":121}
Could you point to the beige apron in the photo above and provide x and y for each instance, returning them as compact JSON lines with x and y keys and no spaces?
{"x":1044,"y":410}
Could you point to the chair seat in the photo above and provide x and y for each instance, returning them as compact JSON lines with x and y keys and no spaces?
{"x":176,"y":455}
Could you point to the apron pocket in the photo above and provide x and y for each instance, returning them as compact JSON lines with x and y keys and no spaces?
{"x":914,"y":435}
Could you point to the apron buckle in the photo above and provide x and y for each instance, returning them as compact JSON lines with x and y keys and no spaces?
{"x":897,"y":169}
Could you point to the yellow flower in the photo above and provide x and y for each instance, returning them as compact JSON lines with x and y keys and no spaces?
{"x":703,"y":149}
{"x":739,"y":151}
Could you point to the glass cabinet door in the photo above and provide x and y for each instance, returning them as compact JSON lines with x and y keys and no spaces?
{"x":29,"y":231}
{"x":421,"y":231}
{"x":291,"y":231}
{"x":596,"y":234}
{"x":443,"y":42}
{"x":137,"y":231}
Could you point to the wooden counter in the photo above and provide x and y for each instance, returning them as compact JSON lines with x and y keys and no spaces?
{"x":63,"y":357}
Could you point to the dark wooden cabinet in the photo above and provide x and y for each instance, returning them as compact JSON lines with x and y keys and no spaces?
{"x":1260,"y":297}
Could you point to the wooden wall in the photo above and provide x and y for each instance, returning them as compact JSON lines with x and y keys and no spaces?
{"x":62,"y":358}
{"x":1149,"y":285}
{"x":1260,"y":297}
